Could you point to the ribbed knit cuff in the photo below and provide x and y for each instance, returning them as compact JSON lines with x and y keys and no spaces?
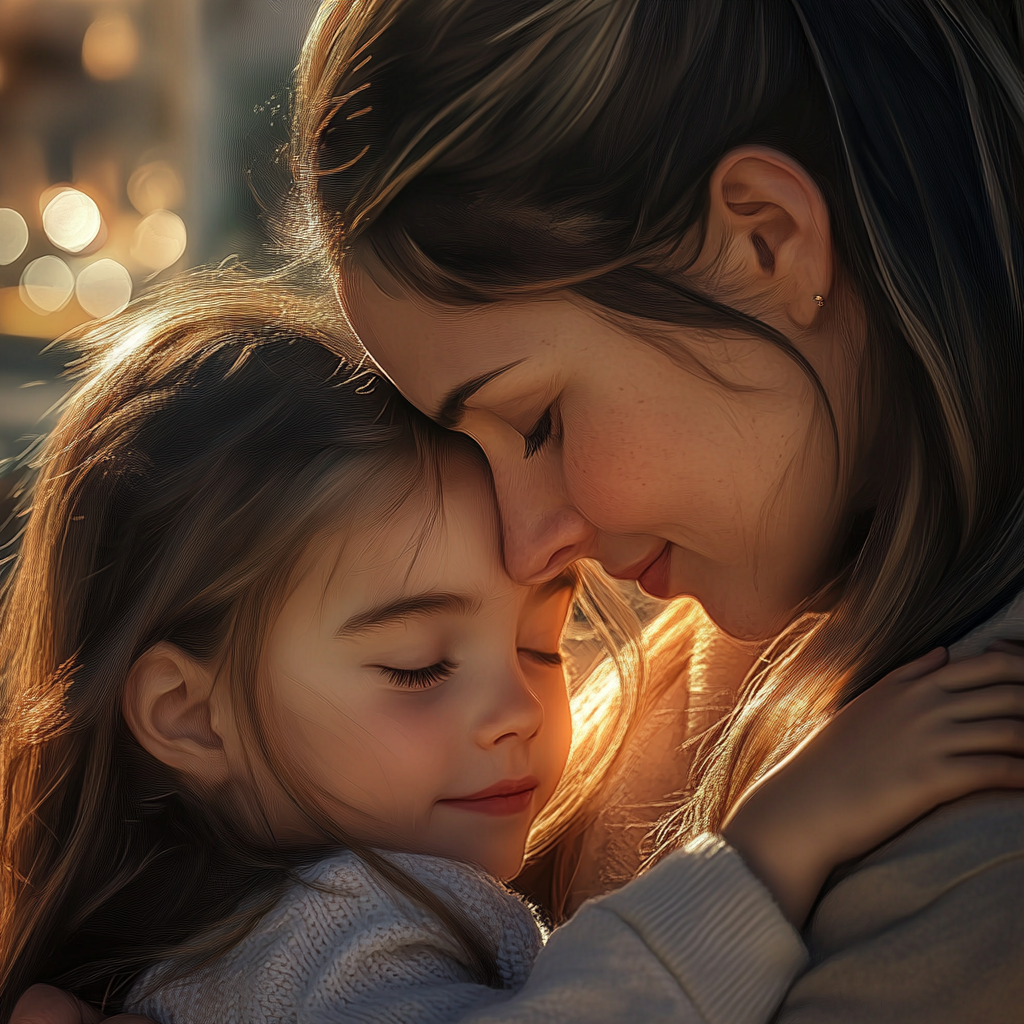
{"x":717,"y":929}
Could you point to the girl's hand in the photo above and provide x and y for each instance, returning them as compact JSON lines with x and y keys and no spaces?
{"x":44,"y":1004}
{"x":925,"y":734}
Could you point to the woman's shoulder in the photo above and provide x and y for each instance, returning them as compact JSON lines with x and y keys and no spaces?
{"x":945,"y":865}
{"x":927,"y":928}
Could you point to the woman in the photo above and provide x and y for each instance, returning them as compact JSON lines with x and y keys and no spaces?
{"x":730,"y":294}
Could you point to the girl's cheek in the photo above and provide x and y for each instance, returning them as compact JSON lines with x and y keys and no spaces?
{"x":412,"y":744}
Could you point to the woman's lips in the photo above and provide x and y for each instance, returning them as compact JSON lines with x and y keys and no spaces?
{"x":511,"y":796}
{"x":654,"y":579}
{"x":652,"y":571}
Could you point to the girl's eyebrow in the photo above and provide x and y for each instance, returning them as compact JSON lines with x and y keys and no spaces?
{"x":454,"y":405}
{"x":403,"y":608}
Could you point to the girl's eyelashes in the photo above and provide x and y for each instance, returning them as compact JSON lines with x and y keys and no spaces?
{"x":418,"y":678}
{"x":544,"y":657}
{"x":539,"y":436}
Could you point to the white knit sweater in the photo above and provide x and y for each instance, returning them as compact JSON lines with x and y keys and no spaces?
{"x":343,"y":945}
{"x":696,"y":939}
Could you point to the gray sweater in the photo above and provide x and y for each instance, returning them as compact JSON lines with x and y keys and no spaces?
{"x":929,"y":929}
{"x":697,"y":939}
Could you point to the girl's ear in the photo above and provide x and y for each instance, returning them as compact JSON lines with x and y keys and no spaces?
{"x":171,"y":708}
{"x":768,"y":232}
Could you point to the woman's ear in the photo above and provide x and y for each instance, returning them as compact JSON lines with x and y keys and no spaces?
{"x":171,"y":708}
{"x":768,"y":232}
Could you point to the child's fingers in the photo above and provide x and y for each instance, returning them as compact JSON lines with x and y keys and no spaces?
{"x":1015,"y":647}
{"x":44,"y":1004}
{"x":984,"y":670}
{"x":993,"y":736}
{"x":923,"y":666}
{"x":971,"y":773}
{"x":1000,"y":700}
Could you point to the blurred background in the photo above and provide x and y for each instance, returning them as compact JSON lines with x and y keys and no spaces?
{"x":137,"y":138}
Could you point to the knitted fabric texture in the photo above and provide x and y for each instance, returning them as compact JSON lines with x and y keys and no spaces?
{"x":359,"y":952}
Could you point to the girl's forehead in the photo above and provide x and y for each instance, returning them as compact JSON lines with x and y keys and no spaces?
{"x":438,"y":540}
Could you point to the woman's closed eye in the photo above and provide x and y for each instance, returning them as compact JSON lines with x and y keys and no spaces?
{"x":418,"y":678}
{"x":539,"y":436}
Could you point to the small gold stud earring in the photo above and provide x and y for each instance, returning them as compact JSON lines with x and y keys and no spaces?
{"x":819,"y":299}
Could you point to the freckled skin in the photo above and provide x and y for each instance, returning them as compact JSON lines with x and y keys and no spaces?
{"x":646,"y":449}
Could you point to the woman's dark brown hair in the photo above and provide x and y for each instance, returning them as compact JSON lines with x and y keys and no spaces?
{"x":486,"y":151}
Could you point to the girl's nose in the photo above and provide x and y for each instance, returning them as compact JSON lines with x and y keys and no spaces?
{"x":541,"y":531}
{"x":513,"y":713}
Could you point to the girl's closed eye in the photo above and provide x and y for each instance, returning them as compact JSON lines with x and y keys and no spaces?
{"x":418,"y":678}
{"x":544,"y":657}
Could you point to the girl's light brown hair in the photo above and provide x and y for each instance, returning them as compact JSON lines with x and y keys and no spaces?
{"x":219,"y":426}
{"x":480,"y":152}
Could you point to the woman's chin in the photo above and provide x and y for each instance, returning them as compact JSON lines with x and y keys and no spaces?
{"x":742,"y":612}
{"x":753,"y":623}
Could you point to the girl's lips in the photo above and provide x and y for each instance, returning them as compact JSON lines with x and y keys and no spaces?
{"x":654,"y":579}
{"x":511,"y":796}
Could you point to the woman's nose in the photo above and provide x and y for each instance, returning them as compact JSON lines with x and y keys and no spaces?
{"x":541,"y":531}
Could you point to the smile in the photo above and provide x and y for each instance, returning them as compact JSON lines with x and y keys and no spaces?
{"x":641,"y":571}
{"x":511,"y":796}
{"x":654,"y":579}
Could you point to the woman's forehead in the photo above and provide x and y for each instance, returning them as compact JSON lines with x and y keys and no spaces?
{"x":432,"y":351}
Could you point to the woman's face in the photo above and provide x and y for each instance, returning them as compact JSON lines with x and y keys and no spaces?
{"x":604,"y":447}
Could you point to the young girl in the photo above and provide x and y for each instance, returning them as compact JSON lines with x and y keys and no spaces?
{"x":276,"y":721}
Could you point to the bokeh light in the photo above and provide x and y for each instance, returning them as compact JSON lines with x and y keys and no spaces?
{"x":155,"y":186}
{"x":159,"y":240}
{"x":103,"y":288}
{"x":71,"y":220}
{"x":13,"y":235}
{"x":47,"y":284}
{"x":110,"y":49}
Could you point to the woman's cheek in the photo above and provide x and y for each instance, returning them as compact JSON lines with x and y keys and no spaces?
{"x":613,"y":478}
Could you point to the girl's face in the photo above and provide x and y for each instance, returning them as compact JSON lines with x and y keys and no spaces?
{"x":602,"y":446}
{"x":419,"y":688}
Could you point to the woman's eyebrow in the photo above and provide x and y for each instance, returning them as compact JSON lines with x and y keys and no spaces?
{"x":403,"y":608}
{"x":454,"y":405}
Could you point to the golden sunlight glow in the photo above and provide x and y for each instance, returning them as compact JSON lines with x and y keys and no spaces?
{"x":110,"y":49}
{"x":13,"y":235}
{"x":71,"y":220}
{"x":159,"y":240}
{"x":122,"y":350}
{"x":155,"y":186}
{"x":47,"y":284}
{"x":103,"y":288}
